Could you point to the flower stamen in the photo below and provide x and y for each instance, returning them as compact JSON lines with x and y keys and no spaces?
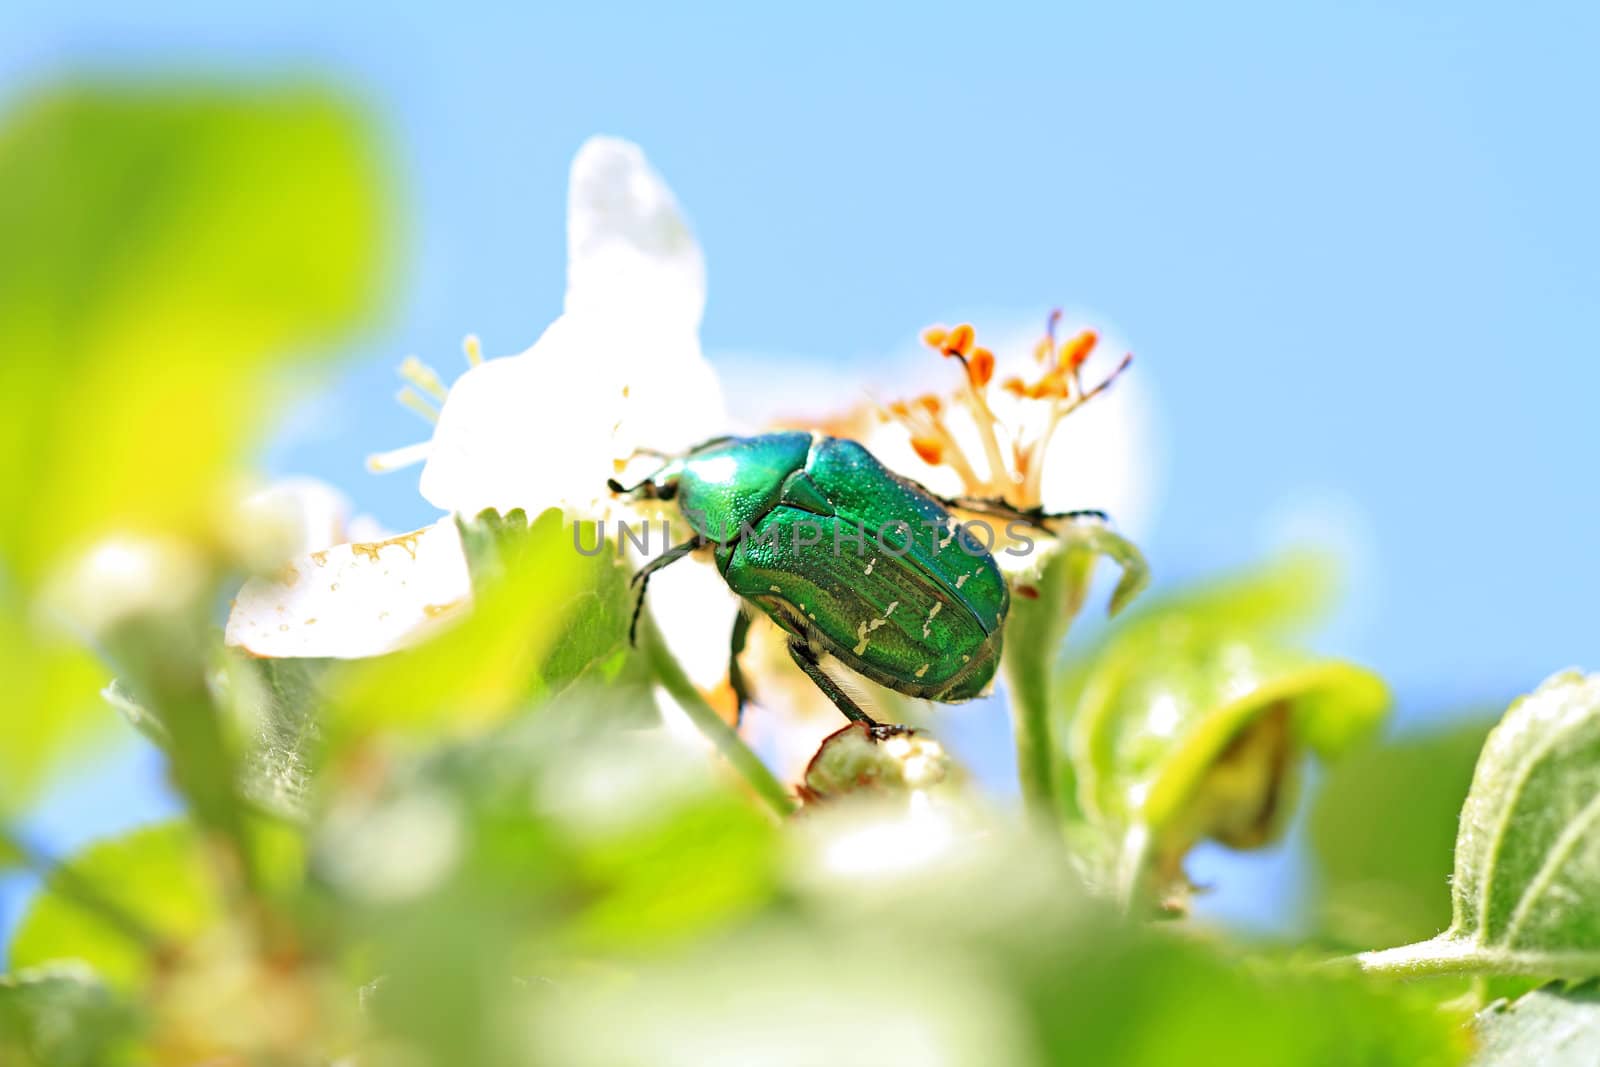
{"x":412,"y":400}
{"x":424,"y":377}
{"x":396,"y":458}
{"x":1044,"y":402}
{"x":424,"y":394}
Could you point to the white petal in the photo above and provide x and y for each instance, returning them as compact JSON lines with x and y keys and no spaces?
{"x":694,"y":609}
{"x":526,"y":432}
{"x":619,"y":371}
{"x":630,"y":252}
{"x":355,"y":600}
{"x":545,"y":428}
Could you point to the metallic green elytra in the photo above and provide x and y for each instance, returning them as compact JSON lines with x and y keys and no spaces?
{"x":847,"y":557}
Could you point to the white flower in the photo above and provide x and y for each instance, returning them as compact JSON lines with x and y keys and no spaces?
{"x":620,"y":370}
{"x":357,"y":599}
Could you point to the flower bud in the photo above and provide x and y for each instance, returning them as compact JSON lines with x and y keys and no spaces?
{"x":858,"y":760}
{"x":124,"y":578}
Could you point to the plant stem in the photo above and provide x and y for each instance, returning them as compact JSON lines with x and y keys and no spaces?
{"x":725,"y":739}
{"x":1034,"y":632}
{"x":1443,"y":955}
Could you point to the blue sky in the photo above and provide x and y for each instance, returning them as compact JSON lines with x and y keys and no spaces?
{"x":1356,"y":249}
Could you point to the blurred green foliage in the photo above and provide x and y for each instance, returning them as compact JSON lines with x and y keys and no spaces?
{"x":1383,"y":831}
{"x":493,"y":847}
{"x":164,"y":248}
{"x":1187,"y":721}
{"x":542,"y":615}
{"x":63,"y":1016}
{"x":156,"y":877}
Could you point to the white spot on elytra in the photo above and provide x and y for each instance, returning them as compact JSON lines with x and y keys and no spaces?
{"x":872,"y":564}
{"x":775,"y":588}
{"x":927,"y":624}
{"x":961,"y":580}
{"x":863,"y":630}
{"x":923,"y":669}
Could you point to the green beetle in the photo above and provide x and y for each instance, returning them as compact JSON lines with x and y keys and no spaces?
{"x":848,"y":558}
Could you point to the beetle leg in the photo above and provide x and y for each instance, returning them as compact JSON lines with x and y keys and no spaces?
{"x":641,"y":578}
{"x":1077,"y":515}
{"x":841,"y":700}
{"x":1035,"y":517}
{"x":736,"y":678}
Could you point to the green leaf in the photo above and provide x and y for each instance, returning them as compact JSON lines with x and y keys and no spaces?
{"x":1382,"y":831}
{"x":62,"y":1016}
{"x":1188,"y":721}
{"x":1526,"y":891}
{"x":156,"y":876}
{"x":1551,"y":1027}
{"x":163,"y":246}
{"x":543,"y":616}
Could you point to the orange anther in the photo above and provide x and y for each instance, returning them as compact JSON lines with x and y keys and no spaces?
{"x":980,"y":366}
{"x":1075,"y":351}
{"x":931,"y":451}
{"x":1015,"y":387}
{"x":958,"y":342}
{"x":1042,"y":350}
{"x":1052,"y":386}
{"x":899,"y":408}
{"x":934,"y":336}
{"x":931,"y":404}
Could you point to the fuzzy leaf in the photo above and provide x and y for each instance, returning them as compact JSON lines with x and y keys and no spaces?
{"x":1526,"y":891}
{"x":1552,"y":1027}
{"x":277,"y":701}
